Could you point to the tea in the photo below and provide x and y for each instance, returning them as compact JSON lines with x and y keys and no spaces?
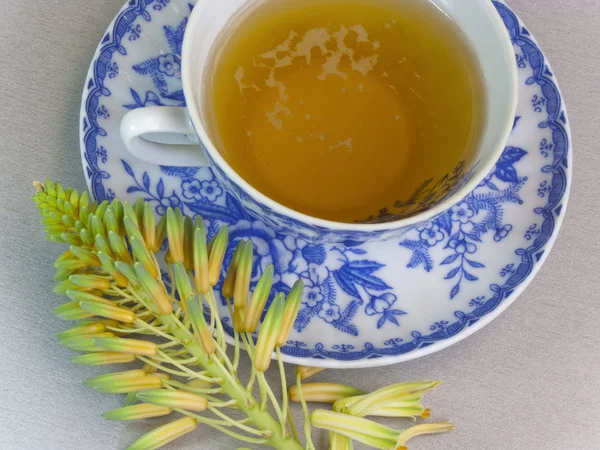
{"x":347,"y":110}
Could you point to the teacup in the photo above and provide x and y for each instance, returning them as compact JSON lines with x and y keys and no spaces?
{"x":178,"y":136}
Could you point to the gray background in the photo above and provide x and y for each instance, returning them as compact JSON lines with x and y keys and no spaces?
{"x":529,"y":380}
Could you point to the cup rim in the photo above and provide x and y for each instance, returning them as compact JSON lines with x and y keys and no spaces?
{"x":479,"y":172}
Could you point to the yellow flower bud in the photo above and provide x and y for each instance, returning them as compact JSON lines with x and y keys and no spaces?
{"x":84,"y":200}
{"x":108,"y":265}
{"x":198,"y":383}
{"x":188,"y":242}
{"x":98,"y":226}
{"x":132,"y":228}
{"x":161,"y":233}
{"x":238,"y":320}
{"x":259,"y":299}
{"x":243,"y":276}
{"x":109,"y":311}
{"x":362,"y":430}
{"x":119,"y":246}
{"x":175,"y":234}
{"x":200,"y":256}
{"x":217,"y":254}
{"x":129,"y":213}
{"x":66,"y":256}
{"x":91,"y":328}
{"x":323,"y":392}
{"x":90,"y":281}
{"x":78,"y":296}
{"x":371,"y":433}
{"x":71,"y":239}
{"x":174,"y":399}
{"x":102,"y":245}
{"x":114,"y":377}
{"x":101,"y":209}
{"x":306,"y":371}
{"x":86,"y":237}
{"x":117,"y":208}
{"x":267,"y":337}
{"x":67,"y":285}
{"x":60,"y":192}
{"x":133,"y":346}
{"x":85,"y":255}
{"x":130,"y":385}
{"x":290,"y":312}
{"x":182,"y":281}
{"x":74,"y":198}
{"x":110,"y":221}
{"x":102,"y":358}
{"x":143,"y":256}
{"x":71,"y":311}
{"x":201,"y":331}
{"x":388,"y":395}
{"x":229,"y":283}
{"x":67,"y":221}
{"x":149,"y":227}
{"x":138,"y":208}
{"x":72,"y":265}
{"x":127,"y":271}
{"x":417,"y":430}
{"x":161,"y":300}
{"x":164,"y":434}
{"x":136,"y":412}
{"x":339,"y":442}
{"x":84,"y":343}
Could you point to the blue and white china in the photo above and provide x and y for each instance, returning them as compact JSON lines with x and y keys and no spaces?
{"x":184,"y":140}
{"x":365,"y":303}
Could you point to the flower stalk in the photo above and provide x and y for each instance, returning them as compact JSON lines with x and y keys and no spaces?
{"x":127,"y":310}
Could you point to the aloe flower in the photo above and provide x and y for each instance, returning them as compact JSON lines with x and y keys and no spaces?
{"x":127,"y":311}
{"x":371,"y":433}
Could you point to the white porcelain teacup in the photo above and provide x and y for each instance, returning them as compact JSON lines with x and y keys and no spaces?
{"x":177,"y":136}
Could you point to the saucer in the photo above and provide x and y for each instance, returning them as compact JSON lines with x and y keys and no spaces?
{"x":364,"y":304}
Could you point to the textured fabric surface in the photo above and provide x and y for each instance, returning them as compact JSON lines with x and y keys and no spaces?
{"x":529,"y":380}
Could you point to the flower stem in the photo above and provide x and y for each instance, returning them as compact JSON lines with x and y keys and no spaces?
{"x":292,"y":425}
{"x":233,"y":388}
{"x":284,"y":396}
{"x":307,"y":427}
{"x":274,"y":402}
{"x":264,"y":434}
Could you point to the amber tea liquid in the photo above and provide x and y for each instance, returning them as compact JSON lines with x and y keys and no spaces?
{"x":341,"y":108}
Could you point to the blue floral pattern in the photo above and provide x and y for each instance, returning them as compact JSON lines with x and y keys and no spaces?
{"x":354,"y":306}
{"x":163,"y":67}
{"x":460,"y":229}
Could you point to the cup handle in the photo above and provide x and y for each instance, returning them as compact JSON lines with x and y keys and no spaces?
{"x":162,"y":135}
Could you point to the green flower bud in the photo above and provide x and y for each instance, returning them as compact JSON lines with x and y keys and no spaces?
{"x":201,"y":331}
{"x":269,"y":331}
{"x":161,"y":300}
{"x":119,"y":246}
{"x":136,"y":412}
{"x":102,"y":358}
{"x":243,"y":276}
{"x":323,"y":392}
{"x":200,"y":256}
{"x":174,"y":399}
{"x":133,"y":346}
{"x":164,"y":434}
{"x":290,"y":312}
{"x":229,"y":283}
{"x":259,"y":299}
{"x":217,"y":254}
{"x":144,"y":256}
